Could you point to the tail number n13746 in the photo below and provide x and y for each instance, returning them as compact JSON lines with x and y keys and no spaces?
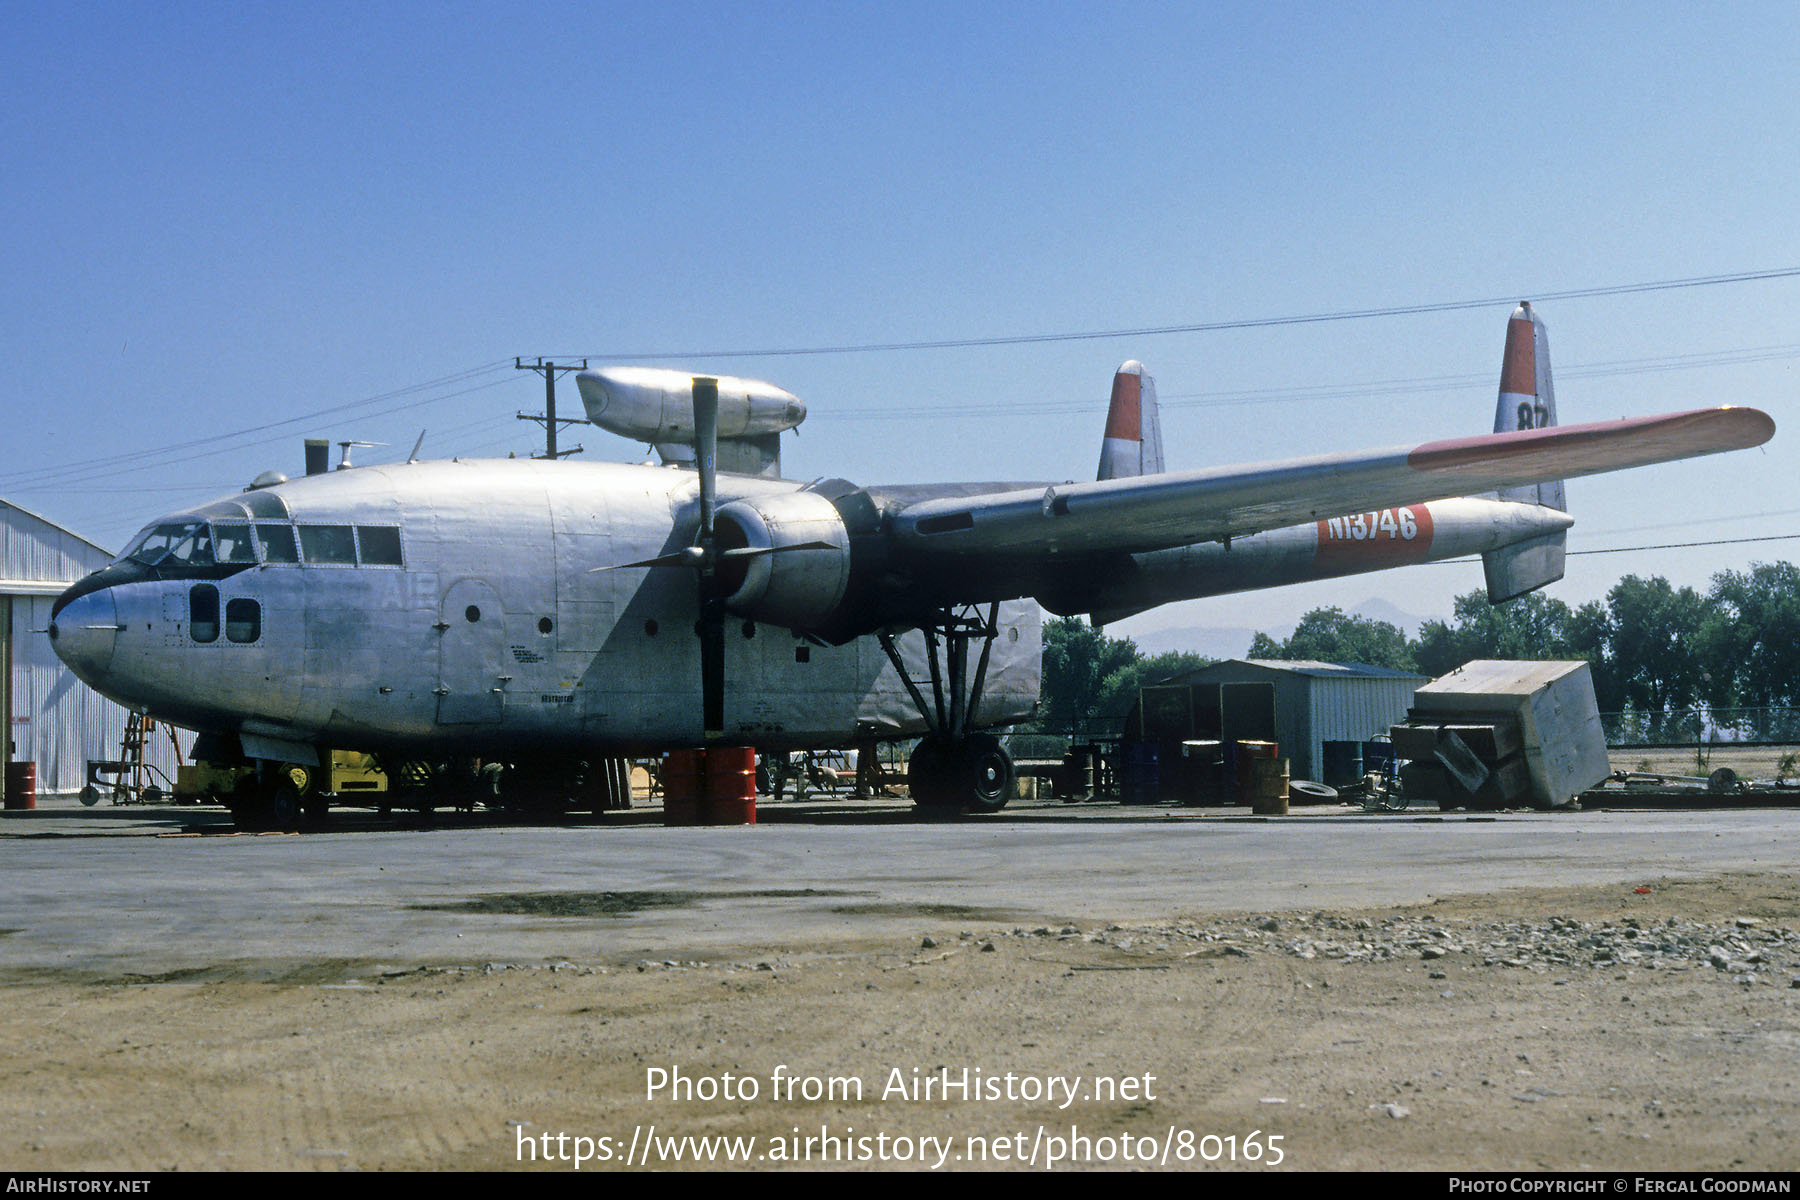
{"x":1388,"y":535}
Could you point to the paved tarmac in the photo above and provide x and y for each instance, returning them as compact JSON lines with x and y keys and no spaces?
{"x":166,"y":892}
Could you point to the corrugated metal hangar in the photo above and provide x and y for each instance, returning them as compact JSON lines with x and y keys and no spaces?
{"x":55,"y":721}
{"x":1313,"y":702}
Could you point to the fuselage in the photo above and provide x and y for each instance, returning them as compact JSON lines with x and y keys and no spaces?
{"x":471,"y":605}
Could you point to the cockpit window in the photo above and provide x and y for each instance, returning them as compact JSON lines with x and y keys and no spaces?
{"x":329,"y":544}
{"x":195,"y":548}
{"x":186,"y":542}
{"x":203,"y":613}
{"x":380,"y":545}
{"x":277,"y":542}
{"x":224,"y":510}
{"x":266,"y":504}
{"x":233,"y":543}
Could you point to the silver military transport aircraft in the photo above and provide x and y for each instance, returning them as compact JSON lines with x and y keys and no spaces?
{"x":547,"y":615}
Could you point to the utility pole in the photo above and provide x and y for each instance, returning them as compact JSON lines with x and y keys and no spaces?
{"x":549,"y":420}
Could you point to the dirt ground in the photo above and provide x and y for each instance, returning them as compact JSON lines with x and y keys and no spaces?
{"x":1208,"y":1040}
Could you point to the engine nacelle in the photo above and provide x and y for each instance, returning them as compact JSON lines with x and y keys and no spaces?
{"x":793,"y":588}
{"x":656,"y":404}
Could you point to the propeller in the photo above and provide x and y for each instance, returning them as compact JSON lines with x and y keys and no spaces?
{"x":705,"y":558}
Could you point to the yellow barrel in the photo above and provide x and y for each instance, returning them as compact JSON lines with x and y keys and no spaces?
{"x":1269,"y":785}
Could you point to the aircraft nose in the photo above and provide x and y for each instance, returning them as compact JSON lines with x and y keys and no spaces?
{"x":83,"y":631}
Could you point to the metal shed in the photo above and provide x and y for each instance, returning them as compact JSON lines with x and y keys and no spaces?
{"x":55,"y":721}
{"x":1319,"y":702}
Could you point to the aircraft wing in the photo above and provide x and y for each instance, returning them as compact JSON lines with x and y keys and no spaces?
{"x":1153,"y":512}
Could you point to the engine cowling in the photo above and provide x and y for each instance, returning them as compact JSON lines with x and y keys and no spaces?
{"x":794,"y":588}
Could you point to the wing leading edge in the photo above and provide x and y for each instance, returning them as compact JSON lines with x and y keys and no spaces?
{"x":1155,"y":512}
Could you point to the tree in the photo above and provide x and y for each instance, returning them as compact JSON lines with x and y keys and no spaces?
{"x":1750,"y":641}
{"x":1119,"y":690}
{"x":1652,"y":630}
{"x":1530,"y":627}
{"x":1078,"y":660}
{"x":1332,"y":635}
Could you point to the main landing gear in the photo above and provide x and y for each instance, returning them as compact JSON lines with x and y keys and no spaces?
{"x":955,"y":768}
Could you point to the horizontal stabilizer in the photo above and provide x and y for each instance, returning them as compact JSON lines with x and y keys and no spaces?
{"x":1523,"y":567}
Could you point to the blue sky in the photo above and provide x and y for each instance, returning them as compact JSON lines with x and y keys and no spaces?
{"x":224,"y":217}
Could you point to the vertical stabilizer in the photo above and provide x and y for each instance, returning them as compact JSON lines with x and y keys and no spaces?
{"x":1527,"y":398}
{"x":1527,"y":401}
{"x":1133,"y":442}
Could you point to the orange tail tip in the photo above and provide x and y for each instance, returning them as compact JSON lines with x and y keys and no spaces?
{"x":1133,"y":441}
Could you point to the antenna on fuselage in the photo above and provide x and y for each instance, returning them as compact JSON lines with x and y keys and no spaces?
{"x":344,"y":463}
{"x":414,"y":456}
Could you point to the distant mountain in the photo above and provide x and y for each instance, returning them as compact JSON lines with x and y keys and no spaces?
{"x":1381,"y":610}
{"x":1203,"y":639}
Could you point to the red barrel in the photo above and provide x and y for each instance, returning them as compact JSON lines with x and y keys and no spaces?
{"x":728,"y":795}
{"x":21,"y":785}
{"x":1247,"y":754}
{"x":682,"y":776}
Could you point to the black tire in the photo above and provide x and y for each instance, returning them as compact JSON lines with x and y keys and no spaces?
{"x":1305,"y":791}
{"x":930,"y":775}
{"x":985,"y":773}
{"x":284,"y":807}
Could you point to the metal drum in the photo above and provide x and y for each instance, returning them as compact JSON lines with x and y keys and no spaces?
{"x":1138,"y":783}
{"x":1245,"y":756}
{"x":728,"y":789}
{"x":681,"y":779}
{"x":1269,"y":787}
{"x":21,"y":785}
{"x":1343,"y":763}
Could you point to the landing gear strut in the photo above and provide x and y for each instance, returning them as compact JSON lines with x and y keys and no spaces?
{"x":954,"y":768}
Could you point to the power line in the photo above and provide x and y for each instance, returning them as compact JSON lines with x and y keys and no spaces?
{"x":1360,"y":314}
{"x":155,"y":457}
{"x":1774,"y":537}
{"x":1323,"y":392}
{"x":1777,"y":537}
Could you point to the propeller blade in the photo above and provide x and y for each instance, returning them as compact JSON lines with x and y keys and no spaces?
{"x":706,"y":448}
{"x":712,"y":606}
{"x":759,"y":551}
{"x":687,"y":556}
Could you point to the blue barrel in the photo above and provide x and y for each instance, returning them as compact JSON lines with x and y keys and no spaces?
{"x":1343,"y":763}
{"x":1137,"y":774}
{"x":1378,"y":755}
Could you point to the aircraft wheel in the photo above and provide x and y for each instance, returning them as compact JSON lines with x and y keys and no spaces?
{"x":931,"y":775}
{"x":284,"y":807}
{"x":985,"y":773}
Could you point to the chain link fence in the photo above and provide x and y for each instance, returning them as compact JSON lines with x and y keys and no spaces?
{"x":1695,"y":726}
